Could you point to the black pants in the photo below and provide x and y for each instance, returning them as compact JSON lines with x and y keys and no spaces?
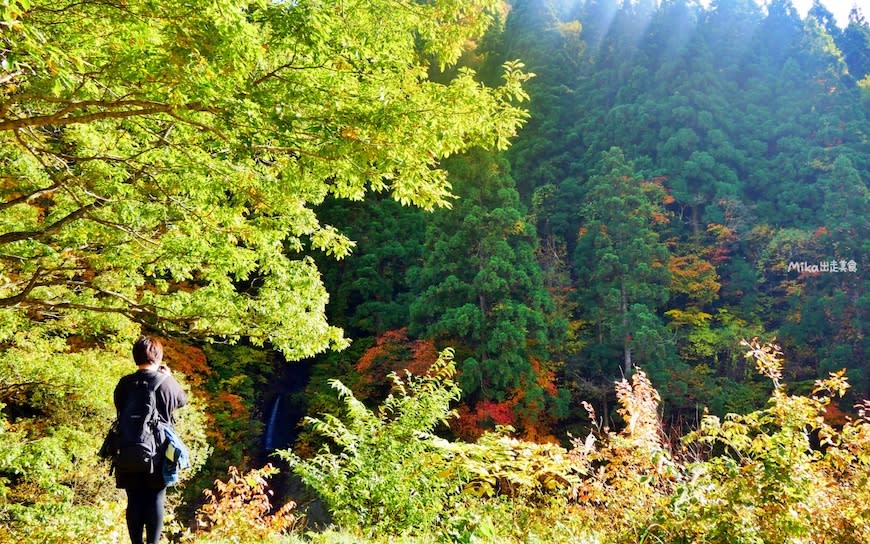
{"x":145,"y":511}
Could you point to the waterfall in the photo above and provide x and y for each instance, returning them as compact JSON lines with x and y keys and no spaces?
{"x":269,"y":435}
{"x":283,"y":407}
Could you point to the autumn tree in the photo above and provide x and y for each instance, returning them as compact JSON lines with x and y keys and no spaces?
{"x":161,"y":162}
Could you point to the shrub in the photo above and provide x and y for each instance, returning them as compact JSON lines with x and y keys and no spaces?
{"x":497,"y":465}
{"x":383,"y":472}
{"x":781,"y":474}
{"x":239,"y":510}
{"x":631,"y":472}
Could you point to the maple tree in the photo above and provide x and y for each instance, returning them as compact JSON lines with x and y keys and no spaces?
{"x":161,"y":162}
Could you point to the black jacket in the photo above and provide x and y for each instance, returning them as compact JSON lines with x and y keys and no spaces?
{"x":169,"y":397}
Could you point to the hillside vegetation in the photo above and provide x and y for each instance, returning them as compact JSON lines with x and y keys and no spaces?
{"x":537,"y":259}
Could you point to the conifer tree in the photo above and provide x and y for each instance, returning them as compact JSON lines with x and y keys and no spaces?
{"x":369,"y":292}
{"x":854,"y":42}
{"x":620,"y":263}
{"x":480,"y":287}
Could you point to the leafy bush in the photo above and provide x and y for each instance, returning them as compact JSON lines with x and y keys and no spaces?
{"x":499,"y":465}
{"x":55,"y":406}
{"x":781,"y":474}
{"x":389,"y":474}
{"x":386,"y":474}
{"x":239,"y":510}
{"x":630,"y":472}
{"x":63,"y":522}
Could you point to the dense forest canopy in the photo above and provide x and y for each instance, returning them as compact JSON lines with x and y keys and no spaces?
{"x":754,"y":122}
{"x":556,"y":192}
{"x":689,"y":176}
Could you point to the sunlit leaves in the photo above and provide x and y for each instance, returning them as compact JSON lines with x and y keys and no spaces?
{"x":770,"y":483}
{"x":163,"y":162}
{"x":380,"y":470}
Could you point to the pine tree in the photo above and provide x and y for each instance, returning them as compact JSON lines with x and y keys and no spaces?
{"x":480,"y":287}
{"x":620,"y":263}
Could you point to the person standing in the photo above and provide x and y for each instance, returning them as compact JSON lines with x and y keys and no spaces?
{"x":146,"y":491}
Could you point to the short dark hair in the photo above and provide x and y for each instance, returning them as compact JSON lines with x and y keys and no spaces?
{"x":147,"y":350}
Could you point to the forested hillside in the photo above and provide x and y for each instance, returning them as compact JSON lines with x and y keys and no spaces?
{"x":565,"y":218}
{"x":688,"y":177}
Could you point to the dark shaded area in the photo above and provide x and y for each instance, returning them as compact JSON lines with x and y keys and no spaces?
{"x":283,"y":412}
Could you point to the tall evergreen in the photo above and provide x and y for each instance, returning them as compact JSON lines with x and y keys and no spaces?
{"x":620,"y":263}
{"x":854,"y":42}
{"x":369,"y":292}
{"x":480,"y":289}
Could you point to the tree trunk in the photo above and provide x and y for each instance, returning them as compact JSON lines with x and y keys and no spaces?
{"x":626,"y":339}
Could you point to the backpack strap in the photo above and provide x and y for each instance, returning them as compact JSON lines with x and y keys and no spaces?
{"x":160,"y":379}
{"x":152,"y":390}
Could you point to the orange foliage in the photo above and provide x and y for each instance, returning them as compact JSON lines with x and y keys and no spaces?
{"x":528,"y":417}
{"x":546,"y":378}
{"x":500,"y":413}
{"x":724,"y":237}
{"x":719,"y":255}
{"x":694,"y":277}
{"x":471,"y":423}
{"x":187,"y":359}
{"x":835,"y":416}
{"x":233,"y":403}
{"x":192,"y":362}
{"x":485,"y":415}
{"x":424,"y":355}
{"x":395,"y":352}
{"x":241,"y":506}
{"x":368,"y":359}
{"x":660,"y":218}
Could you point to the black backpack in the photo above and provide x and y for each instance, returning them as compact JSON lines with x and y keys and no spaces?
{"x":139,"y":436}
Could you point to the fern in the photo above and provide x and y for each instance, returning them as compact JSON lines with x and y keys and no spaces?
{"x":381,"y":470}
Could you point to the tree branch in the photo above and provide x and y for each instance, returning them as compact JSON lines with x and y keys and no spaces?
{"x":28,"y":197}
{"x":15,"y":299}
{"x":59,"y":120}
{"x":16,"y":236}
{"x":125,"y":230}
{"x":137,"y":313}
{"x":61,"y":117}
{"x":7,"y":389}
